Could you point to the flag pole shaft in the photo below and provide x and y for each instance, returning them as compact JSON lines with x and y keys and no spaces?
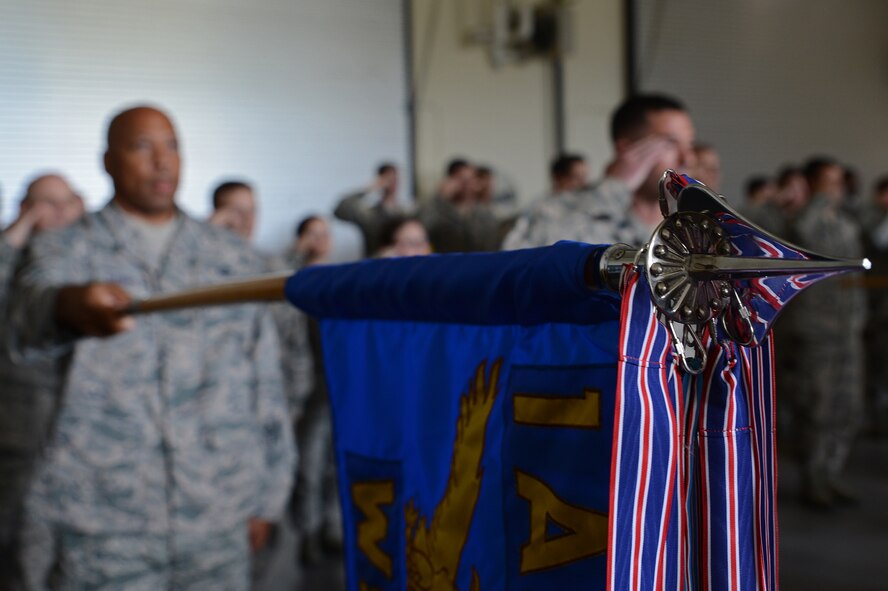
{"x":264,"y":288}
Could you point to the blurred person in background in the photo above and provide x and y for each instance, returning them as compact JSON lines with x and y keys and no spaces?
{"x":568,"y":173}
{"x":313,"y":244}
{"x":371,"y":207}
{"x":49,"y":204}
{"x":234,"y":207}
{"x":405,"y":237}
{"x":483,"y":186}
{"x":793,"y":192}
{"x":829,"y":320}
{"x":650,"y":133}
{"x":852,"y":190}
{"x":707,"y":169}
{"x":454,"y":217}
{"x":760,"y":205}
{"x":27,"y":401}
{"x":314,"y":504}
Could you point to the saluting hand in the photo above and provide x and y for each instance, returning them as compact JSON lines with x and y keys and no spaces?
{"x":94,"y":309}
{"x":633,"y":165}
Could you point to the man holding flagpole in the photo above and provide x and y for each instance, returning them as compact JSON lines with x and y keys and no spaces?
{"x":172,"y":451}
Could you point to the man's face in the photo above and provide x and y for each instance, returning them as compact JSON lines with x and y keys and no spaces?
{"x":794,"y":194}
{"x":830,"y":182}
{"x":464,"y":182}
{"x":143,"y":161}
{"x":55,"y":202}
{"x":677,"y":127}
{"x":708,"y":169}
{"x":579,"y":175}
{"x":240,"y":202}
{"x":390,"y":180}
{"x":483,"y":187}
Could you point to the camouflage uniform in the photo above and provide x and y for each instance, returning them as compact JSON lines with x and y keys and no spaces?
{"x":315,"y":499}
{"x":828,"y":320}
{"x":297,"y":363}
{"x":27,"y":405}
{"x":451,"y":230}
{"x":169,"y":437}
{"x":599,"y":215}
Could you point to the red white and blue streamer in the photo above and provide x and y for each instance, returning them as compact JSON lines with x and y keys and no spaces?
{"x":693,"y":476}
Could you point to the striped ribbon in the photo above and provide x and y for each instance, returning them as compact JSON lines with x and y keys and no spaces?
{"x":693,"y":474}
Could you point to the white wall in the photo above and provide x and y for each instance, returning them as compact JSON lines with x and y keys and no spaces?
{"x":594,"y":77}
{"x":774,"y":82}
{"x":301,"y":97}
{"x":504,"y":117}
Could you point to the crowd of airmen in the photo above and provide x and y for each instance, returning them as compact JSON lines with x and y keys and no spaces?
{"x":159,"y":451}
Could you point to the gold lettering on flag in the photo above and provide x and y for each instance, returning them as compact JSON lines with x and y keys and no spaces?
{"x":369,"y":496}
{"x":585,"y":531}
{"x":580,"y":412}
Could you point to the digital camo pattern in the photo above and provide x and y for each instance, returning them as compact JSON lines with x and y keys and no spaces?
{"x":598,"y":215}
{"x":297,"y":361}
{"x":316,"y":500}
{"x":826,"y":322}
{"x":135,"y":562}
{"x":178,"y":425}
{"x":27,"y":405}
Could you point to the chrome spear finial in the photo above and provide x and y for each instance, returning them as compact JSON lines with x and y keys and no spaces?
{"x":711,"y":269}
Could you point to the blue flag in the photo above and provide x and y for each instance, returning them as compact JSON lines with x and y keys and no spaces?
{"x":473,"y":404}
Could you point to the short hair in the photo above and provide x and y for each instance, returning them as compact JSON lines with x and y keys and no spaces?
{"x":456,"y":165}
{"x":560,"y":167}
{"x":483,"y":171}
{"x":631,"y":116}
{"x":754,"y":184}
{"x":385,"y":167}
{"x":815,"y":165}
{"x":787,"y":172}
{"x":881,"y":184}
{"x":302,"y":227}
{"x":227,"y":187}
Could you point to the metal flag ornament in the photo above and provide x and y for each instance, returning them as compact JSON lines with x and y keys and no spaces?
{"x":713,"y":272}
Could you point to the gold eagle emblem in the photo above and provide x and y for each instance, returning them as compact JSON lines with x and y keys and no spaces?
{"x":433,"y":551}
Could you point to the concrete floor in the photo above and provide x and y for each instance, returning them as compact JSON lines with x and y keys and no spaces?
{"x":846,"y":550}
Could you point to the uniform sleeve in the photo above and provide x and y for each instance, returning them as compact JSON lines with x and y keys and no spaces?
{"x":296,"y":358}
{"x":353,"y":208}
{"x":51,"y":261}
{"x":274,"y":422}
